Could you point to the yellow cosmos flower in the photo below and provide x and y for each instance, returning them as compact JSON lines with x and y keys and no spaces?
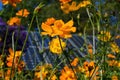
{"x":104,"y":36}
{"x":114,"y":77}
{"x":42,"y":71}
{"x":54,"y":77}
{"x":58,"y":28}
{"x":1,"y":61}
{"x":55,"y":46}
{"x":66,"y":7}
{"x":11,"y":2}
{"x":23,"y":13}
{"x":84,"y":3}
{"x":14,"y":21}
{"x":114,"y":47}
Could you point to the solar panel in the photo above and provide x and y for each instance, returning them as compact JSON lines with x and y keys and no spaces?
{"x":34,"y":55}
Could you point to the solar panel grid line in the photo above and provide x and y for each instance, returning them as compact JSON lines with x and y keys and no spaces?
{"x":29,"y":40}
{"x":27,"y":57}
{"x":79,"y":40}
{"x":35,"y":39}
{"x":29,"y":54}
{"x":46,"y":42}
{"x":74,"y":45}
{"x":46,"y":58}
{"x":117,"y":42}
{"x":90,"y":38}
{"x":79,"y":43}
{"x":49,"y":57}
{"x":74,"y":52}
{"x":36,"y":54}
{"x":49,"y":54}
{"x":38,"y":41}
{"x":29,"y":65}
{"x":75,"y":42}
{"x":24,"y":59}
{"x":38,"y":38}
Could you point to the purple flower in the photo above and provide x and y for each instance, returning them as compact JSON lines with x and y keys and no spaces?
{"x":19,"y":36}
{"x":2,"y":23}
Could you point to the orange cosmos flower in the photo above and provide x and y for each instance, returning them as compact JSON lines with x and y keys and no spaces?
{"x":14,"y":21}
{"x":67,"y":74}
{"x":111,"y":56}
{"x":15,"y":64}
{"x":11,"y":2}
{"x":58,"y":28}
{"x":75,"y":62}
{"x":64,"y":28}
{"x":11,"y":57}
{"x":90,"y":50}
{"x":65,"y":1}
{"x":5,"y":2}
{"x":23,"y":13}
{"x":50,"y":21}
{"x":112,"y":63}
{"x":89,"y":68}
{"x":8,"y":74}
{"x":66,"y":7}
{"x":117,"y":37}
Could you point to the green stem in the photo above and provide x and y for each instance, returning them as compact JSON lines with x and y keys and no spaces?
{"x":93,"y":29}
{"x":26,"y":38}
{"x":14,"y":54}
{"x":66,"y":57}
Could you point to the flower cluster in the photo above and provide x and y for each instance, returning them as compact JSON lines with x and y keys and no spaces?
{"x":95,"y":58}
{"x":9,"y":59}
{"x":11,"y":2}
{"x":16,"y":21}
{"x":104,"y":36}
{"x":11,"y":63}
{"x":23,"y":13}
{"x":53,"y":27}
{"x":42,"y":72}
{"x":67,"y":7}
{"x":19,"y":34}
